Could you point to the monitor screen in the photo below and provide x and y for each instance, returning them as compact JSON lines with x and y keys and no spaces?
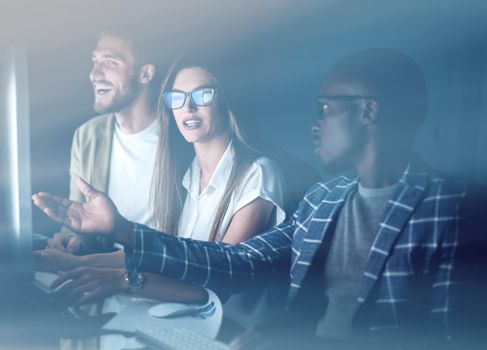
{"x":15,"y":183}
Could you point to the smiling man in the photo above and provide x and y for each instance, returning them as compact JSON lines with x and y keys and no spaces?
{"x":385,"y":259}
{"x":116,"y":150}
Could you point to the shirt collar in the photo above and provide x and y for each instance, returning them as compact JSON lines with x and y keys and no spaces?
{"x":191,"y":179}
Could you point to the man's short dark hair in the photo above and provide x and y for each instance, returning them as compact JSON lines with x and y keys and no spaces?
{"x":394,"y":78}
{"x":143,"y":51}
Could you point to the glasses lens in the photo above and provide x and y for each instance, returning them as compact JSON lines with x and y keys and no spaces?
{"x":174,"y":99}
{"x":203,"y":97}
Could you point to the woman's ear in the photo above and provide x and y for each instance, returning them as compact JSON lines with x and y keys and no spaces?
{"x":146,"y":73}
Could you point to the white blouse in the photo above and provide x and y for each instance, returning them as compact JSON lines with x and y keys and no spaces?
{"x":263,"y":179}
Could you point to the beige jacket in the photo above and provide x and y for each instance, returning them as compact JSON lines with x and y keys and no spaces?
{"x":90,"y":154}
{"x":90,"y":160}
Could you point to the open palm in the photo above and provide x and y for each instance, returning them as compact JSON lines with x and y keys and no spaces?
{"x":97,"y":215}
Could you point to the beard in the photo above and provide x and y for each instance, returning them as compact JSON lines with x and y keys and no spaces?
{"x":116,"y":104}
{"x":119,"y":101}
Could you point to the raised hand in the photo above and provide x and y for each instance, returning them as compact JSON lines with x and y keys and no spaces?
{"x":97,"y":215}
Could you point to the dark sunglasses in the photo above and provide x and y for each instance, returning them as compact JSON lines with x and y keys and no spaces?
{"x":200,"y":97}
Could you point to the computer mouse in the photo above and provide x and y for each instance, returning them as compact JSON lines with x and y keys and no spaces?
{"x":172,"y":310}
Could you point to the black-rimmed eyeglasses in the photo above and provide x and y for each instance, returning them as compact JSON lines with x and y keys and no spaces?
{"x":325,"y":98}
{"x":200,"y":97}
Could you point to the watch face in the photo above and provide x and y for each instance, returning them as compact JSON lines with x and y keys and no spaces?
{"x":139,"y":278}
{"x":135,"y":280}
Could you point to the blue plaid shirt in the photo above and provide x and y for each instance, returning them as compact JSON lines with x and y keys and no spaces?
{"x":417,"y":243}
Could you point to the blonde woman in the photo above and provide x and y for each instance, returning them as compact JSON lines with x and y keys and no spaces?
{"x":232,"y":193}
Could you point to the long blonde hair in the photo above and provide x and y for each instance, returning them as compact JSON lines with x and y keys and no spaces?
{"x":172,"y":159}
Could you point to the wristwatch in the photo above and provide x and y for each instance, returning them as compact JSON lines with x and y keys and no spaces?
{"x":135,"y":281}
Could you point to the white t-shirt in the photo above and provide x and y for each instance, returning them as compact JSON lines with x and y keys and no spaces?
{"x":131,"y":168}
{"x":263,"y":179}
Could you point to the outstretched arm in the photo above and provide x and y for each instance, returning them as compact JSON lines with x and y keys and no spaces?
{"x":212,"y":264}
{"x":215,"y":265}
{"x":89,"y":284}
{"x":55,"y":260}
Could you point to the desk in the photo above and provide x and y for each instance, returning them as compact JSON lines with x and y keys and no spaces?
{"x":28,"y":321}
{"x":136,"y":316}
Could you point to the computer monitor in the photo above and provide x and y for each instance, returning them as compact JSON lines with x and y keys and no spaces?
{"x":16,"y":264}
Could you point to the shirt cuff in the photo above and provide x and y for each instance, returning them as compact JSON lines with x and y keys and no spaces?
{"x":130,"y":261}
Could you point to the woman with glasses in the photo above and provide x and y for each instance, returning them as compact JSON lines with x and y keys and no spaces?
{"x":232,"y":193}
{"x":228,"y":193}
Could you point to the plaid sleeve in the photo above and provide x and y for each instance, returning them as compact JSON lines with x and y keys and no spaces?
{"x":215,"y":265}
{"x":459,"y":303}
{"x":447,"y":284}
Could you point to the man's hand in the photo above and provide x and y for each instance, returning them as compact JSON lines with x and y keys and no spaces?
{"x":98,"y":215}
{"x":89,"y":284}
{"x":64,"y":241}
{"x":54,"y":260}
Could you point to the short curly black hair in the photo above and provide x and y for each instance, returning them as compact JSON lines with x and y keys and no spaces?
{"x":393,"y":78}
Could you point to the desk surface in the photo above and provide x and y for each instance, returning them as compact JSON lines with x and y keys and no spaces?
{"x":136,"y":316}
{"x":30,"y":322}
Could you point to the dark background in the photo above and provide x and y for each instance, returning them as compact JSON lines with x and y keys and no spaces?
{"x":274,"y":54}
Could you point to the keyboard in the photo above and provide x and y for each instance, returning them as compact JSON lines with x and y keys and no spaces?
{"x":43,"y":280}
{"x":178,"y":339}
